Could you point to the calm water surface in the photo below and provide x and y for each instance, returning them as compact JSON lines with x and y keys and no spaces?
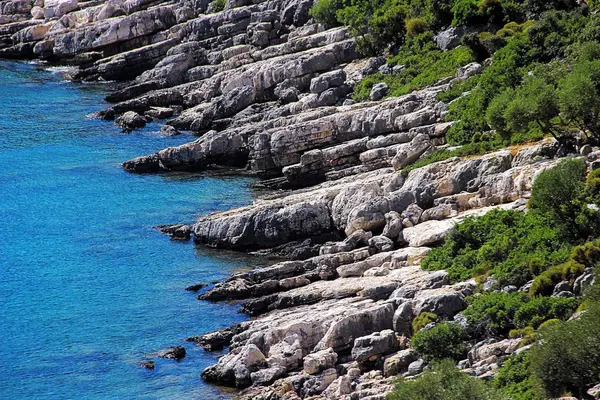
{"x":87,"y":287}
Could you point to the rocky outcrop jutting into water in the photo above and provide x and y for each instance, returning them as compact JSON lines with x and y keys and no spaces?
{"x":268,"y":91}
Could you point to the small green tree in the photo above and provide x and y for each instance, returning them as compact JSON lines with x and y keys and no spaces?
{"x":325,"y":11}
{"x":376,"y":24}
{"x":579,"y":98}
{"x":556,"y":193}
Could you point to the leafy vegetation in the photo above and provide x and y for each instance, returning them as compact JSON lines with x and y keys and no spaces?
{"x":218,"y":5}
{"x":553,"y":242}
{"x":568,"y":358}
{"x":423,"y":65}
{"x":444,"y":340}
{"x":541,"y":78}
{"x":442,"y":381}
{"x":422,"y":320}
{"x":497,"y":313}
{"x":512,"y":246}
{"x":514,"y":378}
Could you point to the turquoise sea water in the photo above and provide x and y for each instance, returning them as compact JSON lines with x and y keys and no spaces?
{"x":87,"y":287}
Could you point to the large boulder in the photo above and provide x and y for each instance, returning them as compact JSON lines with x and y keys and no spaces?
{"x":379,"y":91}
{"x":131,"y":120}
{"x":236,"y":371}
{"x":373,"y":346}
{"x":398,"y":363}
{"x":403,"y":319}
{"x":408,"y":153}
{"x":320,"y":361}
{"x":444,"y":302}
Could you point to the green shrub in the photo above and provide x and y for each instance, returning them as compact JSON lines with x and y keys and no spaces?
{"x":324,"y":11}
{"x":549,"y":323}
{"x":424,"y":64}
{"x":527,"y":335}
{"x":512,"y":246}
{"x":375,"y":24}
{"x":514,"y":379}
{"x":540,"y":309}
{"x":545,"y":282}
{"x":218,"y":5}
{"x":416,"y":26}
{"x":423,"y":319}
{"x":555,"y":192}
{"x":568,"y":357}
{"x":497,"y":313}
{"x":466,"y":12}
{"x":445,"y":340}
{"x":493,"y":313}
{"x":443,"y":381}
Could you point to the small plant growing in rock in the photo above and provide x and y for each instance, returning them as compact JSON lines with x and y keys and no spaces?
{"x":217,"y":5}
{"x":422,"y":320}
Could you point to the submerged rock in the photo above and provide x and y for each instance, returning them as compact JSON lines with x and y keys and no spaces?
{"x":176,"y":353}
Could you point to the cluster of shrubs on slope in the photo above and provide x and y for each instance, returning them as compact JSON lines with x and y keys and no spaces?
{"x":529,"y":254}
{"x":543,"y":78}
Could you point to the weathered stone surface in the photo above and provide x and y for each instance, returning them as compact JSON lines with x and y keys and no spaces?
{"x":398,"y":363}
{"x":237,"y":371}
{"x":373,"y":346}
{"x":319,"y":361}
{"x":378,"y":91}
{"x":131,"y":120}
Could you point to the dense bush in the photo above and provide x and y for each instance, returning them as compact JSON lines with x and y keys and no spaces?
{"x":555,"y":192}
{"x":422,"y":320}
{"x":493,"y":313}
{"x":513,"y":246}
{"x":444,"y":340}
{"x":325,"y":11}
{"x":545,"y":282}
{"x":540,"y":309}
{"x":424,"y":64}
{"x":497,"y":313}
{"x":375,"y":24}
{"x":567,"y":360}
{"x":514,"y":379}
{"x":218,"y":5}
{"x":416,"y":26}
{"x":442,"y":381}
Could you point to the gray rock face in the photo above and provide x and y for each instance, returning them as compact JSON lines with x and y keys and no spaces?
{"x":469,"y":70}
{"x":239,"y":369}
{"x":403,"y":317}
{"x":398,"y":363}
{"x":371,"y":347}
{"x":319,"y":361}
{"x":379,"y":91}
{"x":451,"y":37}
{"x":131,"y":120}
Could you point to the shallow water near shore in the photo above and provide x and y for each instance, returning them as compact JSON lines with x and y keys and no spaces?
{"x":87,"y":287}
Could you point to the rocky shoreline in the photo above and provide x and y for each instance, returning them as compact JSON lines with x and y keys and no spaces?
{"x":268,"y":92}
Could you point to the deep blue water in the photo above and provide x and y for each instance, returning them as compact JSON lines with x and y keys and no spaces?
{"x":87,"y":287}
